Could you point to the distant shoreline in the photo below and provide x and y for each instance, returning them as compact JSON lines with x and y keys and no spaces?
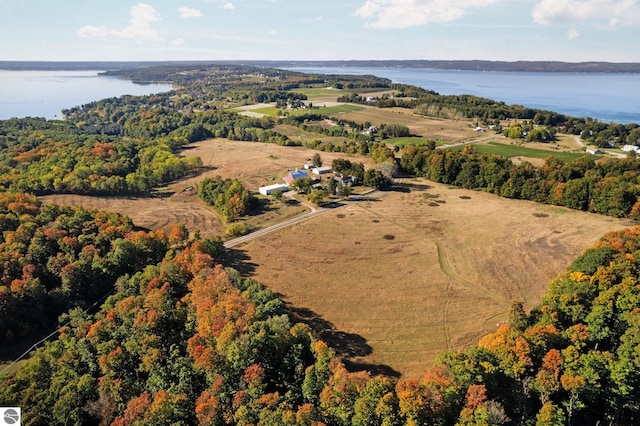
{"x":462,"y":65}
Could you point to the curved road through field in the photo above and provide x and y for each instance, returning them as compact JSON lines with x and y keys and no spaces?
{"x":313,"y":213}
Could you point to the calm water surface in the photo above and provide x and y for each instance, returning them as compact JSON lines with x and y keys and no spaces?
{"x":47,"y":93}
{"x":607,"y":97}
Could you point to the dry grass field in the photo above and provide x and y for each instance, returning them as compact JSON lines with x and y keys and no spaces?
{"x":255,"y":164}
{"x":431,"y":128}
{"x":395,"y":281}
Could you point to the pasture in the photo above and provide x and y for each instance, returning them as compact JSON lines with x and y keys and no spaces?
{"x":395,"y":281}
{"x":509,"y":151}
{"x":431,"y":128}
{"x":331,"y":109}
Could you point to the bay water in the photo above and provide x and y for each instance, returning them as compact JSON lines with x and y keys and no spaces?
{"x":47,"y":93}
{"x":603,"y":96}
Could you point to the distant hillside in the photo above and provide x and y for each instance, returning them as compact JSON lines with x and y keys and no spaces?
{"x":472,"y":65}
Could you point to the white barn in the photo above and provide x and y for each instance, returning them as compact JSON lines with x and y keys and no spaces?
{"x":321,"y":170}
{"x":267,"y":190}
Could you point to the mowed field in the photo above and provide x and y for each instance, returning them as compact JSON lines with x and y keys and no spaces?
{"x":395,"y":281}
{"x":254,"y":164}
{"x":431,"y":128}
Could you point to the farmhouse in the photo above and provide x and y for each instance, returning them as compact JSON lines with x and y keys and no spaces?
{"x":293,"y":175}
{"x":371,"y":130}
{"x":321,"y":170}
{"x":345,"y":180}
{"x":628,"y":148}
{"x":267,"y":190}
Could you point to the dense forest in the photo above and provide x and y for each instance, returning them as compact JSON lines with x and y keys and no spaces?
{"x":156,"y":328}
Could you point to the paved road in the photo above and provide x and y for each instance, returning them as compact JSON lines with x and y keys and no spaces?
{"x":261,"y":232}
{"x":328,"y":207}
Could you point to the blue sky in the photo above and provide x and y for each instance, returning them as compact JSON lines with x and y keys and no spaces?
{"x":91,"y":30}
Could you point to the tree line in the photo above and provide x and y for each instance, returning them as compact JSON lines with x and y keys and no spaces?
{"x":608,"y":187}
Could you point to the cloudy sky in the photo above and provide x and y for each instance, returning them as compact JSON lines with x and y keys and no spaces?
{"x":563,"y":30}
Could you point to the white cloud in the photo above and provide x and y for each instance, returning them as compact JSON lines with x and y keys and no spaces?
{"x":177,"y":42}
{"x":90,"y":31}
{"x":228,"y":6}
{"x":189,"y":12}
{"x":385,"y":14}
{"x":273,"y":32}
{"x":139,"y":28}
{"x":612,"y":12}
{"x":573,"y":34}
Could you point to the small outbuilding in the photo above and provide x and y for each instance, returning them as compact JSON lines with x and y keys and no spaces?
{"x":321,"y":170}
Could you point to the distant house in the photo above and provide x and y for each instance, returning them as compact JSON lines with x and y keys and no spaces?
{"x":372,"y":130}
{"x":594,"y":151}
{"x":321,"y":170}
{"x":293,"y":175}
{"x":478,"y":129}
{"x":267,"y":190}
{"x":628,"y":148}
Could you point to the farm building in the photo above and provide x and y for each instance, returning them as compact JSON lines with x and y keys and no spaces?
{"x":594,"y":151}
{"x":628,"y":148}
{"x":346,"y":180}
{"x":293,"y":175}
{"x":267,"y":190}
{"x":321,"y":170}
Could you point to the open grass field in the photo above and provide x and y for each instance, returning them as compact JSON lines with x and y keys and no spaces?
{"x":254,"y":164}
{"x":395,"y":281}
{"x":320,"y":93}
{"x":329,"y":94}
{"x":430,"y":128}
{"x":509,"y":151}
{"x":333,"y":109}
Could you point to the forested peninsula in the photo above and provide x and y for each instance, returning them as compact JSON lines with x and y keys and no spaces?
{"x":167,"y":327}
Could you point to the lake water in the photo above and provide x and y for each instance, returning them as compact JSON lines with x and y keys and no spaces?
{"x":607,"y":97}
{"x":47,"y":93}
